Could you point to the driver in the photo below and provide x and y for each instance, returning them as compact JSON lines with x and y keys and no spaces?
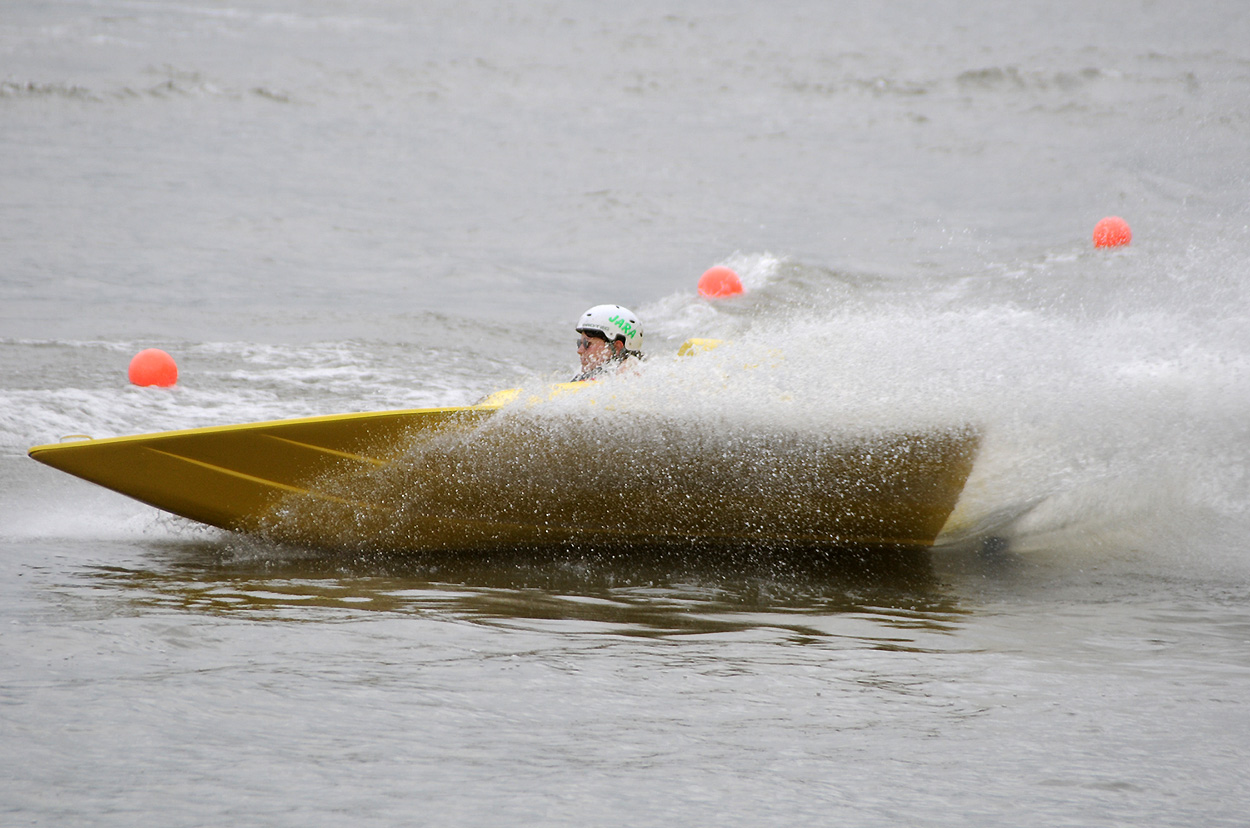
{"x":610,"y":335}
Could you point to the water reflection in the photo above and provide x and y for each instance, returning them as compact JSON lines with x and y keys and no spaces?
{"x":806,"y":595}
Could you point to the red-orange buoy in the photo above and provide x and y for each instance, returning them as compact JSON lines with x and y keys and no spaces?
{"x":153,"y":366}
{"x":719,"y":281}
{"x":1112,"y":231}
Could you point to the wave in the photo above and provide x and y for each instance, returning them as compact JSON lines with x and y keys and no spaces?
{"x":33,"y":89}
{"x":171,"y":88}
{"x":1012,"y":77}
{"x":1090,"y":84}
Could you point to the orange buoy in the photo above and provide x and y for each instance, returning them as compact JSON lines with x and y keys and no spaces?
{"x":719,"y":281}
{"x":152,"y":366}
{"x":1112,"y":231}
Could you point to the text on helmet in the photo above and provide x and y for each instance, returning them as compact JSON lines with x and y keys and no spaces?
{"x":623,"y":325}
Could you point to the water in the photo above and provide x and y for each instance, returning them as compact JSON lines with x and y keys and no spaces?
{"x":321,"y":207}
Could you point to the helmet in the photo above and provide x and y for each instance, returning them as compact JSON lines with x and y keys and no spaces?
{"x":613,"y":322}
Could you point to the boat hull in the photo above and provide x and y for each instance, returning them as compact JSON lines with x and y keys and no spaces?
{"x":467,"y":479}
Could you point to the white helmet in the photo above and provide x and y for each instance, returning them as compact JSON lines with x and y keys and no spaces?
{"x":613,"y":322}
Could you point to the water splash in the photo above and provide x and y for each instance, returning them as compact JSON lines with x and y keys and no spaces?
{"x":1111,"y":388}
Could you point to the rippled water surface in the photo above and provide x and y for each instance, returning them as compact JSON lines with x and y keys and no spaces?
{"x":322,"y":207}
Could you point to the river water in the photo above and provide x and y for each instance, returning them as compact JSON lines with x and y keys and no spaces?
{"x":323,"y":206}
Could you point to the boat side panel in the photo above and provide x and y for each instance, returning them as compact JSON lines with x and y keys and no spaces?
{"x":232,"y":476}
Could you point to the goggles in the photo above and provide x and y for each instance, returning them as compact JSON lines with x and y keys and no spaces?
{"x":584,"y":341}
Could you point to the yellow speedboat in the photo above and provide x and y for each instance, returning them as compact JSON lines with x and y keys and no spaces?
{"x":470,"y":479}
